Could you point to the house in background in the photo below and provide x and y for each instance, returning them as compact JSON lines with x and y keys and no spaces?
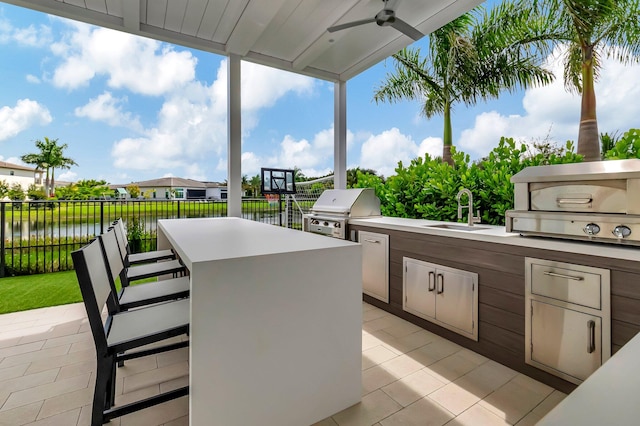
{"x":23,"y":175}
{"x":175,"y":188}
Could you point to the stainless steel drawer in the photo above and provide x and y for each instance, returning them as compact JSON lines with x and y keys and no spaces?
{"x":580,"y":285}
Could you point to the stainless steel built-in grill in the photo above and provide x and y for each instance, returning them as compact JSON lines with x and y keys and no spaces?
{"x":331,"y":212}
{"x":595,"y":201}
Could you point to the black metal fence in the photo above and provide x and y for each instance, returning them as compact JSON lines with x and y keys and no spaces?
{"x":39,"y":236}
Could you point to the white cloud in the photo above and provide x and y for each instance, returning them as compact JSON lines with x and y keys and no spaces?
{"x":25,"y":114}
{"x":32,"y":79}
{"x":192,"y":124}
{"x":67,"y":176}
{"x":553,"y":111}
{"x":383,"y":151}
{"x":310,"y":156}
{"x":263,"y":86}
{"x":14,"y":160}
{"x":138,"y":64}
{"x":31,"y":36}
{"x":109,"y":109}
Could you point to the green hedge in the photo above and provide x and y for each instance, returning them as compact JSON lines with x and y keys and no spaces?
{"x":427,"y":187}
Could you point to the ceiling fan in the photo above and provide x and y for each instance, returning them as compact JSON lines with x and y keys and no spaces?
{"x":386,"y":17}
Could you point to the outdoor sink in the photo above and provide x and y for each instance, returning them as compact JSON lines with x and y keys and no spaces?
{"x":457,"y":227}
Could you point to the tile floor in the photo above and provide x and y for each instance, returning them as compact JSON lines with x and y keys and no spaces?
{"x":409,"y":377}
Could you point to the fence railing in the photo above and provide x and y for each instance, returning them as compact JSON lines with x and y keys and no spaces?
{"x":39,"y":236}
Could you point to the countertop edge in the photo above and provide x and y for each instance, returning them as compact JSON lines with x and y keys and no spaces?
{"x":498,"y":234}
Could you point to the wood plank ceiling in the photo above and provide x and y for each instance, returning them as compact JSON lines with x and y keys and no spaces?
{"x":286,"y":34}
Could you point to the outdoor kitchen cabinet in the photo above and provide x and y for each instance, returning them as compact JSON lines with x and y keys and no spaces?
{"x":375,"y":264}
{"x":567,"y":320}
{"x":445,"y":296}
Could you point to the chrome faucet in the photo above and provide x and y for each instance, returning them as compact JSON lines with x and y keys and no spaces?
{"x":471,"y":219}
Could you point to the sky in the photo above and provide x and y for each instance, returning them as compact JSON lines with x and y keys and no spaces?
{"x":133,"y":109}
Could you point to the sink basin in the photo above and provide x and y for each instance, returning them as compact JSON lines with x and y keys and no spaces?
{"x":457,"y":227}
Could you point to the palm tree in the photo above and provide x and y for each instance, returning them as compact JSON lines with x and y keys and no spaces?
{"x":591,"y":30}
{"x":473,"y":58}
{"x":255,"y":185}
{"x":50,"y":157}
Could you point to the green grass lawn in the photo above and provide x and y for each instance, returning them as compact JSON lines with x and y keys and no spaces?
{"x":42,"y":290}
{"x":38,"y":291}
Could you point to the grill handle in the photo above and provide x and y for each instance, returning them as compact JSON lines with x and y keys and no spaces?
{"x":580,"y":201}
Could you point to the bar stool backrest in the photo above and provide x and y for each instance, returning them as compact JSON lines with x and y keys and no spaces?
{"x":93,"y":279}
{"x":112,"y":254}
{"x":121,"y":236}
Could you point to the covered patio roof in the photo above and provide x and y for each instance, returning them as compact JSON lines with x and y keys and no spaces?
{"x":286,"y":34}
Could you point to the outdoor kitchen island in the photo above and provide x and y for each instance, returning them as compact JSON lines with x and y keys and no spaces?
{"x":276,"y":317}
{"x":499,"y":260}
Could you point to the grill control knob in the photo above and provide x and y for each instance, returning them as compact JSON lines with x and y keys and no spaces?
{"x":591,"y":229}
{"x":326,"y":224}
{"x":621,"y":231}
{"x":337,"y":224}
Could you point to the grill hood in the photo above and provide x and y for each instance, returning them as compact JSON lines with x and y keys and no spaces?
{"x":356,"y":202}
{"x":594,"y":170}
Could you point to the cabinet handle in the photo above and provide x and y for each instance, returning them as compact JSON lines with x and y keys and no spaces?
{"x":591,"y":333}
{"x":431,"y":281}
{"x":441,"y":282}
{"x":372,"y":241}
{"x":569,"y":277}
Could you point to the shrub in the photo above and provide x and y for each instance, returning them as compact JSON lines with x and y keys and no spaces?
{"x":427,"y":187}
{"x":628,"y":146}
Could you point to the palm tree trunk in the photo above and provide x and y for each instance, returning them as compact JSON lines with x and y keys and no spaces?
{"x":53,"y":183}
{"x":588,"y":139}
{"x":447,"y":139}
{"x":46,"y":183}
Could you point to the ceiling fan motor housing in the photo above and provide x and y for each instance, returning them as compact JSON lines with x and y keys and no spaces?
{"x":385,"y":17}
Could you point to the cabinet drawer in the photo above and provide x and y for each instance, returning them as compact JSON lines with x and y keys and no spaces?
{"x":580,"y":285}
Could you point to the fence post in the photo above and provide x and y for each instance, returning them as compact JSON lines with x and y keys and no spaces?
{"x":101,"y":217}
{"x":3,"y":218}
{"x":178,"y":209}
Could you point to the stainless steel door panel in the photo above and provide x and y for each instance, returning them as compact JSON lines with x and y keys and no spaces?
{"x":419,"y":289}
{"x":580,"y":198}
{"x":375,"y":265}
{"x":565,"y":341}
{"x":573,"y":285}
{"x":454,"y":299}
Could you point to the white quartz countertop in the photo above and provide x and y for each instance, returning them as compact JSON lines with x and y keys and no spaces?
{"x":608,"y":397}
{"x":498,"y":234}
{"x":206,"y":239}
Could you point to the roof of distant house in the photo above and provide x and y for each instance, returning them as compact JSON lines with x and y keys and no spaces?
{"x":170,"y":182}
{"x":5,"y":165}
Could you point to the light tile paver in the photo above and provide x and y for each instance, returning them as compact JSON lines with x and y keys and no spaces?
{"x":47,"y":365}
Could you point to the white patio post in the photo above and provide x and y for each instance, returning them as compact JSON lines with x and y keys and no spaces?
{"x":340,"y":135}
{"x":234,"y":137}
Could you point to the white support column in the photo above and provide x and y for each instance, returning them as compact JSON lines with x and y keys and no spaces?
{"x":234,"y":137}
{"x":340,"y":135}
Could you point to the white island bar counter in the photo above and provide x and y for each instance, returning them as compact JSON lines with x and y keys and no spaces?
{"x":276,"y":321}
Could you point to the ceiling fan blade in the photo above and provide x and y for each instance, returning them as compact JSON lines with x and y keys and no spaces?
{"x":407,"y":29}
{"x":350,"y":24}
